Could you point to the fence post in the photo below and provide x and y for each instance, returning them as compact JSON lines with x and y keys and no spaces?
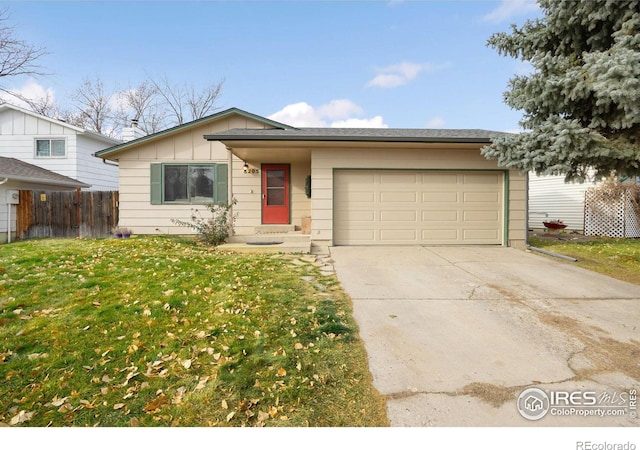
{"x":78,"y":220}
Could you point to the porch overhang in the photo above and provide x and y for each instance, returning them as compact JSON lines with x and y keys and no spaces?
{"x":257,"y":153}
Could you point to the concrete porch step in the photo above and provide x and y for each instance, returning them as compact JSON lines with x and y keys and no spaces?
{"x":264,"y":229}
{"x":295,"y":236}
{"x":288,"y":242}
{"x":283,"y":247}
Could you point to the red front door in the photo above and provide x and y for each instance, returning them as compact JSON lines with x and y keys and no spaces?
{"x":275,"y":194}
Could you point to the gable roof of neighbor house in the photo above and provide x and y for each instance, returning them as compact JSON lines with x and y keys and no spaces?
{"x":17,"y":170}
{"x":420,"y":135}
{"x":179,"y":128}
{"x":82,"y":131}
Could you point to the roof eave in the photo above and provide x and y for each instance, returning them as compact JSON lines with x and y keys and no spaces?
{"x":389,"y":139}
{"x":76,"y":184}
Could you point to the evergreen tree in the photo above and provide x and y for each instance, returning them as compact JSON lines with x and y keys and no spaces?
{"x":581,"y":104}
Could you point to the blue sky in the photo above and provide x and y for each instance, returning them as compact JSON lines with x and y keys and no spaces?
{"x":401,"y":64}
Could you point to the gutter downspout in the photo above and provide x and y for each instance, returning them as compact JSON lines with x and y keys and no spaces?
{"x":555,"y":255}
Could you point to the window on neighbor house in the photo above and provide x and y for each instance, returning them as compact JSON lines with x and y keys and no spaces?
{"x":51,"y":148}
{"x":188,"y":183}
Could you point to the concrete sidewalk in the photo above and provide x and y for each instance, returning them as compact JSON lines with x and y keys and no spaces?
{"x":455,"y":334}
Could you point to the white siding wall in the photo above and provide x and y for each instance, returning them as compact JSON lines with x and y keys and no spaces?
{"x":3,"y":215}
{"x":91,"y":170}
{"x":18,"y":132}
{"x":551,"y":198}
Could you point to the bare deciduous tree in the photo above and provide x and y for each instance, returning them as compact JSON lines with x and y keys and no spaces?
{"x":141,"y":103}
{"x":93,"y":105}
{"x":17,"y":57}
{"x":185,"y":102}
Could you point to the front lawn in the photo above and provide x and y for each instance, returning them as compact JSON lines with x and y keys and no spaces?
{"x":158,"y":331}
{"x":618,"y":258}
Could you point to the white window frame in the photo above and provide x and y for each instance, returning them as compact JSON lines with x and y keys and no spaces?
{"x":50,"y":139}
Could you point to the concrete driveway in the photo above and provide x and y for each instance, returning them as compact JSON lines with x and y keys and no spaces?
{"x":456,"y":334}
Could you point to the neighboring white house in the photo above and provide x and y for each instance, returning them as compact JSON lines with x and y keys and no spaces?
{"x":57,"y":146}
{"x":550,"y":197}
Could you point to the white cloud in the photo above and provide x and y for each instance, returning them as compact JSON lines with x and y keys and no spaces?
{"x":31,"y":90}
{"x":299,"y":115}
{"x":509,"y":9}
{"x":374,"y":122}
{"x":341,"y":113}
{"x":339,"y":109}
{"x":436,"y":122}
{"x":399,"y":74}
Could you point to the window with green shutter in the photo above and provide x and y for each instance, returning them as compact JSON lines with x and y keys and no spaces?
{"x":189,"y":183}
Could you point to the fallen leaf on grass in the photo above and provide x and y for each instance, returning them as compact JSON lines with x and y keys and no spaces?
{"x":118,"y":406}
{"x":177,"y":399}
{"x":65,"y":408}
{"x":202,"y":383}
{"x":281,"y":372}
{"x":58,"y":401}
{"x":224,"y":404}
{"x":186,"y":363}
{"x":230,"y":415}
{"x":262,"y":416}
{"x":155,"y":404}
{"x":21,"y":417}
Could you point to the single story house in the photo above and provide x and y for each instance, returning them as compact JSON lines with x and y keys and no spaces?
{"x":16,"y":175}
{"x":354,"y":186}
{"x":57,"y":146}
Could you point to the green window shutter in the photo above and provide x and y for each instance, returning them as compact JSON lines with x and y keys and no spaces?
{"x":222,"y":184}
{"x":156,"y":183}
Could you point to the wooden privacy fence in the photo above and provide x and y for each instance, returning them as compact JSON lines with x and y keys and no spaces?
{"x":63,"y":214}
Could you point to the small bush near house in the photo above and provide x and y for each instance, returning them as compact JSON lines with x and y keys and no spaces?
{"x":214,"y":229}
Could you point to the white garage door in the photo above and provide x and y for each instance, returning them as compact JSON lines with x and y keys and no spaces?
{"x":418,"y":207}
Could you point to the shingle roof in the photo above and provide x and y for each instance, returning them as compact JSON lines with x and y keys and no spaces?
{"x":357,"y":134}
{"x":14,"y":169}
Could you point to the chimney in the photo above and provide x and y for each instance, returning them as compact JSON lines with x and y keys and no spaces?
{"x":132,"y":132}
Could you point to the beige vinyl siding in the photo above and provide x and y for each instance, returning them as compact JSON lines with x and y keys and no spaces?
{"x":187,"y":146}
{"x":247,"y":192}
{"x":136,"y":211}
{"x":325,"y":161}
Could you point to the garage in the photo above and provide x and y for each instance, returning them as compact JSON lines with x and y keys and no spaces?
{"x":428,"y":207}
